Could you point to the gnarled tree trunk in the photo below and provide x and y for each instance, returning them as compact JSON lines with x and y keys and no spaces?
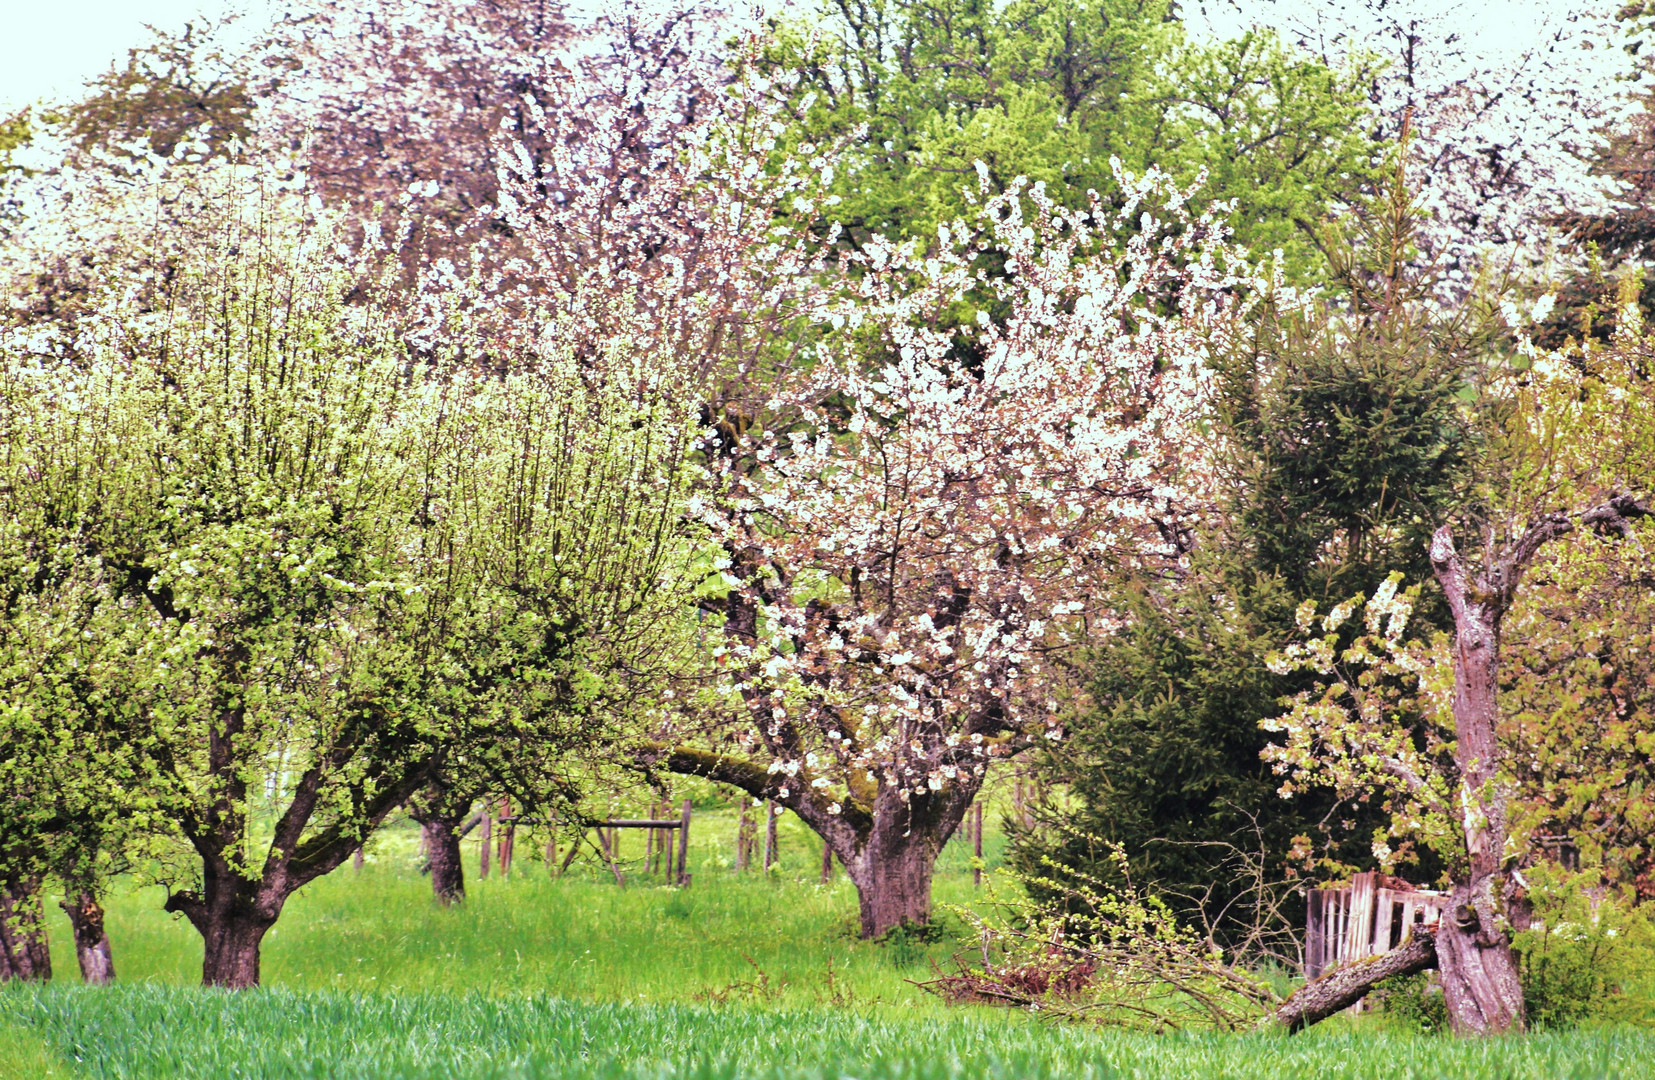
{"x":236,"y":907}
{"x":23,"y":950}
{"x":892,"y":875}
{"x":97,"y":962}
{"x":889,"y":850}
{"x":441,"y":835}
{"x":232,"y":913}
{"x":1475,"y":964}
{"x":1480,"y":982}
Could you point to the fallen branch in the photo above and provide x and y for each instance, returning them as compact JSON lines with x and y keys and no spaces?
{"x":1345,"y":986}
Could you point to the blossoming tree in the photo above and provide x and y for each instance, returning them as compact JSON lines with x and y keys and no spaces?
{"x":1419,"y":723}
{"x":912,"y":544}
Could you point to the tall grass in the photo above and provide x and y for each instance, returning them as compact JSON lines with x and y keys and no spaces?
{"x":154,"y":1032}
{"x":737,"y":976}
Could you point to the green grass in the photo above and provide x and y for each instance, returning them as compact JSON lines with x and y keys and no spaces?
{"x":728,"y":937}
{"x":735,"y":977}
{"x":144,"y":1032}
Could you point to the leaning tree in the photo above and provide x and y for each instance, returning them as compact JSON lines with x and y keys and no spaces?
{"x":913,"y":542}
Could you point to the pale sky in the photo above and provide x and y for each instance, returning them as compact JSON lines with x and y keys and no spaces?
{"x":48,"y":48}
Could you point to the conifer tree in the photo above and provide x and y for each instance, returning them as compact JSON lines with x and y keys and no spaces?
{"x":1346,"y":440}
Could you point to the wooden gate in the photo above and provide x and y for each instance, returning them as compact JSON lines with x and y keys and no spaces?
{"x":1372,"y":915}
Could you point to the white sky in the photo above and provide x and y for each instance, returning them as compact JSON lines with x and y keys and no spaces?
{"x":48,"y":48}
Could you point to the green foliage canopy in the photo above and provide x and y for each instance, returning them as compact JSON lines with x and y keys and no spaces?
{"x":1055,"y":89}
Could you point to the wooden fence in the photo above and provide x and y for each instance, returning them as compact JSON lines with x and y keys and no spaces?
{"x":1371,"y":915}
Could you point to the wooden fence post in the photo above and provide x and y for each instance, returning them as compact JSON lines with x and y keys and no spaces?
{"x":663,"y":841}
{"x":650,"y":836}
{"x":770,"y":816}
{"x":551,"y":843}
{"x":487,"y":837}
{"x":977,"y":844}
{"x":744,"y":842}
{"x":507,"y":836}
{"x":827,"y":862}
{"x":684,"y":845}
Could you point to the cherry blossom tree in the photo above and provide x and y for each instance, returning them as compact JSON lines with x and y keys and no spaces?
{"x":401,"y":92}
{"x":913,"y":541}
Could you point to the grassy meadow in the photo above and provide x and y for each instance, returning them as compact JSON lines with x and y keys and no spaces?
{"x":738,"y":976}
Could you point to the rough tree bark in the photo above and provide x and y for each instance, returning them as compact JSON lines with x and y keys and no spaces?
{"x":442,"y":813}
{"x":889,"y":849}
{"x":1480,"y":981}
{"x":97,"y":962}
{"x":1345,"y":986}
{"x":23,"y":950}
{"x":442,"y":858}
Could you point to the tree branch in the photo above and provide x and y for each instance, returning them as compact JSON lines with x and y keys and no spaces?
{"x":1345,"y":986}
{"x":756,"y":781}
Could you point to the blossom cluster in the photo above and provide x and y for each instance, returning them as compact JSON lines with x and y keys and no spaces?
{"x":914,"y":543}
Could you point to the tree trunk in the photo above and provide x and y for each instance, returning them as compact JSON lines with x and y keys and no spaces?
{"x":1344,"y":986}
{"x":23,"y":949}
{"x":893,"y":879}
{"x":97,"y":962}
{"x":1480,"y":981}
{"x":889,"y":849}
{"x":442,"y":847}
{"x":232,"y":913}
{"x":231,"y":940}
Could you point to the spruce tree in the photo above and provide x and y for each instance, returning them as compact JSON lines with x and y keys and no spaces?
{"x":1349,"y":434}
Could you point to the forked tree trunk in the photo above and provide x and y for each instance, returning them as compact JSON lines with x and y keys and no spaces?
{"x":892,"y":860}
{"x":442,"y":854}
{"x":889,"y":850}
{"x":1480,"y":982}
{"x":24,"y":953}
{"x":232,"y":914}
{"x":97,"y":962}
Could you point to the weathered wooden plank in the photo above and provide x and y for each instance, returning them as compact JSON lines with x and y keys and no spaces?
{"x":1315,"y":947}
{"x":1384,"y":900}
{"x":1359,"y":929}
{"x":684,"y":845}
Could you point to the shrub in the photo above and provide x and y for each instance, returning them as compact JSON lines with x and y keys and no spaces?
{"x":1589,"y":956}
